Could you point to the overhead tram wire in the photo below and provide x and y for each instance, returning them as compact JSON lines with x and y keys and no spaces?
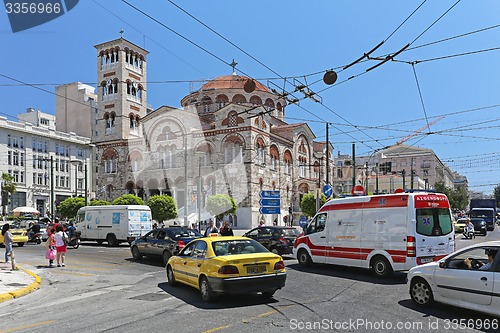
{"x":208,"y":52}
{"x":270,"y":69}
{"x":139,"y":31}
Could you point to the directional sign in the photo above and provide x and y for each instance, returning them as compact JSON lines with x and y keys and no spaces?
{"x":269,"y":210}
{"x":270,"y":194}
{"x":328,"y":190}
{"x":270,"y":202}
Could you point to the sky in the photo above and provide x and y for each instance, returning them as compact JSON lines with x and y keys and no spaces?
{"x":450,"y":68}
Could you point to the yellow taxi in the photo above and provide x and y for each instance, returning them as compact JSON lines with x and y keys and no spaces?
{"x":227,"y":265}
{"x":460,"y":224}
{"x":19,"y":235}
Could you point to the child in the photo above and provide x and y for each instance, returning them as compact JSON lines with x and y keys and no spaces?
{"x":50,"y":247}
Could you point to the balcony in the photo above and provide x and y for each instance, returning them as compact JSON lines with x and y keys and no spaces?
{"x":105,"y":67}
{"x":133,"y":68}
{"x":109,"y":97}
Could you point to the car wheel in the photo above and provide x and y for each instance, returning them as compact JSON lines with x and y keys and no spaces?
{"x":421,"y":292}
{"x":275,"y":250}
{"x":136,"y":254}
{"x":111,"y":239}
{"x":170,"y":277}
{"x":304,"y":258}
{"x":268,"y":294}
{"x":381,"y":267}
{"x":20,"y":244}
{"x":206,"y":291}
{"x":166,"y":256}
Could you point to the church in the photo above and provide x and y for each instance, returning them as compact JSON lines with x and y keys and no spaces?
{"x":230,"y":136}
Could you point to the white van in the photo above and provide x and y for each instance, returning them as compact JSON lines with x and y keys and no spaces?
{"x":392,"y":232}
{"x":113,"y":224}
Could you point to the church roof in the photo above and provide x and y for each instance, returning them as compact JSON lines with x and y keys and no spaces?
{"x":231,"y":82}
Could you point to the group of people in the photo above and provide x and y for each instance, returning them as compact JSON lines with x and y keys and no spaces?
{"x":55,"y":246}
{"x":225,"y":230}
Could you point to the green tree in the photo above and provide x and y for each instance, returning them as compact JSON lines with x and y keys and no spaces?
{"x":458,"y":199}
{"x":69,"y":207}
{"x":220,"y":205}
{"x":8,"y":188}
{"x":128,"y":199}
{"x":99,"y":203}
{"x":163,"y":207}
{"x":308,"y":203}
{"x":496,"y":193}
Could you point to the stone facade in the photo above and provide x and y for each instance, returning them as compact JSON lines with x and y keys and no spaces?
{"x":229,"y":137}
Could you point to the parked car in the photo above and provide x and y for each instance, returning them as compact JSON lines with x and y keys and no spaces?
{"x":460,"y":224}
{"x":19,"y":234}
{"x":163,"y":242}
{"x":278,"y":240}
{"x":227,"y":265}
{"x":451,"y":281}
{"x":480,"y":226}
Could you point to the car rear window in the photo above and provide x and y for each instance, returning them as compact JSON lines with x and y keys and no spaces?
{"x":290,"y":232}
{"x":184,"y":233}
{"x":434,"y":221}
{"x":238,"y":246}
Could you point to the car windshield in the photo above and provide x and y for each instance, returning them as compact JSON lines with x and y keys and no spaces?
{"x":181,"y":233}
{"x":237,"y":246}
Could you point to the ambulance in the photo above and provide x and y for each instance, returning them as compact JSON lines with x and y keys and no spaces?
{"x":385,"y":233}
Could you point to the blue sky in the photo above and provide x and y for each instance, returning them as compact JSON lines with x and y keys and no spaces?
{"x":301,"y":40}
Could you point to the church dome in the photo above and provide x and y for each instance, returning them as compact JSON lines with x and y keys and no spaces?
{"x":232,"y":82}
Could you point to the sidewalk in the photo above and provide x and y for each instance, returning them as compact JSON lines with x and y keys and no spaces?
{"x":14,"y":284}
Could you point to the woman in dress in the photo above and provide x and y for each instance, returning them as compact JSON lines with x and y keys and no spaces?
{"x":60,"y":245}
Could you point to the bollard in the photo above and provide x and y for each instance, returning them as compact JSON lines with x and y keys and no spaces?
{"x":13,"y":260}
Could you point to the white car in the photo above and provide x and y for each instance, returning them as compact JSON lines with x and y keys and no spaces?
{"x":461,"y":279}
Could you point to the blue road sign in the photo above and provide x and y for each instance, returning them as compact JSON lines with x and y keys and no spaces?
{"x":302,"y":221}
{"x":328,"y":190}
{"x":270,"y":194}
{"x":270,"y":202}
{"x":269,"y":210}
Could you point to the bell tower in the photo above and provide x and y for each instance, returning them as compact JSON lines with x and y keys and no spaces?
{"x":121,"y":106}
{"x":121,"y":95}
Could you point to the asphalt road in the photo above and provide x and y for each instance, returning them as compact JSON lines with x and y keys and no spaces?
{"x":103,"y":289}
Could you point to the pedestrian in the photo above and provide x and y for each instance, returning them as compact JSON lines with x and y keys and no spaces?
{"x":262,"y":223}
{"x":50,"y":247}
{"x":226,"y":230}
{"x":275,"y":222}
{"x":211,"y":229}
{"x":60,"y":239}
{"x":7,"y":241}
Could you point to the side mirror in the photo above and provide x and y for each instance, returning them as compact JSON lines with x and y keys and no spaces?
{"x":442,"y":264}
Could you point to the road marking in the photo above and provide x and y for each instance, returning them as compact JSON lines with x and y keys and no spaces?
{"x":246,"y":321}
{"x":217,"y":329}
{"x":72,"y":273}
{"x":20,"y":328}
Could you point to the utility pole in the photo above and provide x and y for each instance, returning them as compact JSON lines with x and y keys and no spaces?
{"x":327,"y":179}
{"x":411,"y":170}
{"x":353,"y":165}
{"x":376,"y":178}
{"x":198,"y":204}
{"x":185,"y":181}
{"x":52,"y":200}
{"x":86,"y":185}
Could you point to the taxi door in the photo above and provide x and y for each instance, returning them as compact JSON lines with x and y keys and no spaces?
{"x":196,"y":263}
{"x":182,"y":263}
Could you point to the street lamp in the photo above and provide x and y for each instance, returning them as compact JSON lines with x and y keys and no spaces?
{"x":76,"y":163}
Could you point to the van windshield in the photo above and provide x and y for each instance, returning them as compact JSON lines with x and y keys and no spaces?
{"x":434,"y":221}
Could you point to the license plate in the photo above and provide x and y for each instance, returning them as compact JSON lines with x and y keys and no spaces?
{"x":256,"y":269}
{"x":426,"y":260}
